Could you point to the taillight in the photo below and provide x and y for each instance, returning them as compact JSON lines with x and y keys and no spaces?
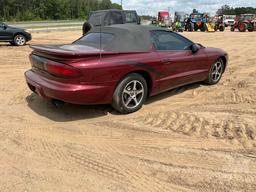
{"x":61,"y":70}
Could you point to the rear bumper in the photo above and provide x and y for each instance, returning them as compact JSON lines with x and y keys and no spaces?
{"x":70,"y":93}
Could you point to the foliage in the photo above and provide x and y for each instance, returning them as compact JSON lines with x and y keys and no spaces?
{"x":146,"y":17}
{"x":227,"y":10}
{"x":16,"y":10}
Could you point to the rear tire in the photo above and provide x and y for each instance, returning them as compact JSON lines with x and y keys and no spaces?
{"x":222,"y":28}
{"x":203,"y":27}
{"x":191,"y":27}
{"x":242,"y":27}
{"x":19,"y":40}
{"x":250,"y":27}
{"x":130,"y":94}
{"x":215,"y":73}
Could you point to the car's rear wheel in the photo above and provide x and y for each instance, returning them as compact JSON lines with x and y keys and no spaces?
{"x":215,"y":72}
{"x":130,"y":94}
{"x":19,"y":40}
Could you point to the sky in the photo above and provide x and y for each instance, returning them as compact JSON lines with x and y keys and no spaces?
{"x":151,"y":7}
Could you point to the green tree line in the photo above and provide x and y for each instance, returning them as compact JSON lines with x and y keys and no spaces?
{"x":227,"y":10}
{"x":17,"y":10}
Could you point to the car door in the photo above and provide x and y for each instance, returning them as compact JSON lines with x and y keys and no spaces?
{"x":178,"y":64}
{"x":5,"y":33}
{"x":1,"y":31}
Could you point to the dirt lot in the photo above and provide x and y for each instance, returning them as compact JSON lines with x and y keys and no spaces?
{"x":195,"y":138}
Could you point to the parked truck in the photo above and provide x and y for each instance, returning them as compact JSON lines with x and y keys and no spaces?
{"x":163,"y":19}
{"x":228,"y":20}
{"x":110,"y":17}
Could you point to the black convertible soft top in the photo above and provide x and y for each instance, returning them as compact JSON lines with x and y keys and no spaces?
{"x":127,"y":37}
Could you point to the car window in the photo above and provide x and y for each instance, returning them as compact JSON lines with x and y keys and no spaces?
{"x":131,"y":17}
{"x":2,"y":25}
{"x":97,"y":19}
{"x":94,"y":39}
{"x":164,"y":41}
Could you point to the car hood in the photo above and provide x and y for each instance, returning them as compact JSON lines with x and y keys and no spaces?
{"x":215,"y":50}
{"x":70,"y":50}
{"x":16,"y":28}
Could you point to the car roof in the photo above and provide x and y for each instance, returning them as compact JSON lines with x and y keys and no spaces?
{"x":110,"y":10}
{"x":128,"y":37}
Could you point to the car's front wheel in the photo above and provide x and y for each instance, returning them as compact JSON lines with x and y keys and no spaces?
{"x":215,"y":72}
{"x":130,"y":94}
{"x":19,"y":40}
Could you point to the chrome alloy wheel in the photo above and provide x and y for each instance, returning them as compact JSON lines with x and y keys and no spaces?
{"x":133,"y":94}
{"x":20,"y":40}
{"x":217,"y":71}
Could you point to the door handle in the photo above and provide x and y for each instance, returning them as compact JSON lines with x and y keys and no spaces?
{"x":166,"y":61}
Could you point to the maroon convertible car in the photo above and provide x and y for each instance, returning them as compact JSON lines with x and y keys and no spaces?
{"x":121,"y":65}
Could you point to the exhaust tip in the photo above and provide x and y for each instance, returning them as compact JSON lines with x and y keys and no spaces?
{"x":57,"y":103}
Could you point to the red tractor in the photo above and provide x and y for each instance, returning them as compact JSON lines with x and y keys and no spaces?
{"x":244,"y":22}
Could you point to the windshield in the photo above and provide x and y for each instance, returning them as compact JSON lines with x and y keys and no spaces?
{"x":94,"y":40}
{"x":97,"y":18}
{"x":131,"y":17}
{"x":248,"y":17}
{"x":229,"y":17}
{"x":180,"y":17}
{"x":196,"y":17}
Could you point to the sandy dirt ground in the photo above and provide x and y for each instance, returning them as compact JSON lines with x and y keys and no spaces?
{"x":194,"y":138}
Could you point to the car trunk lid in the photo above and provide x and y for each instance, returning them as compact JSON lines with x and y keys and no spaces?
{"x":62,"y":61}
{"x":72,"y":51}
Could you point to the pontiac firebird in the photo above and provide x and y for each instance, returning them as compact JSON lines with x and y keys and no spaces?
{"x":121,"y":65}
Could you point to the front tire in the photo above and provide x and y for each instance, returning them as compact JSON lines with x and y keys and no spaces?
{"x":222,"y":28}
{"x":19,"y":40}
{"x":130,"y":94}
{"x":242,"y":27}
{"x":215,"y":73}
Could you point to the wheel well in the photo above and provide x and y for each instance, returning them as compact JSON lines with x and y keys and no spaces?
{"x":19,"y":33}
{"x":224,"y":62}
{"x":147,"y":77}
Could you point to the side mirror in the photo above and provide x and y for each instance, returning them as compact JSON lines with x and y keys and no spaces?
{"x":194,"y":48}
{"x":4,"y":27}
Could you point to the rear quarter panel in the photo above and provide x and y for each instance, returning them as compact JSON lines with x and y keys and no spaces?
{"x":111,"y":69}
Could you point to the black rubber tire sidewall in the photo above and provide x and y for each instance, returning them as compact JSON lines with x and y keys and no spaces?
{"x":222,"y":28}
{"x":250,"y":27}
{"x":117,"y":102}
